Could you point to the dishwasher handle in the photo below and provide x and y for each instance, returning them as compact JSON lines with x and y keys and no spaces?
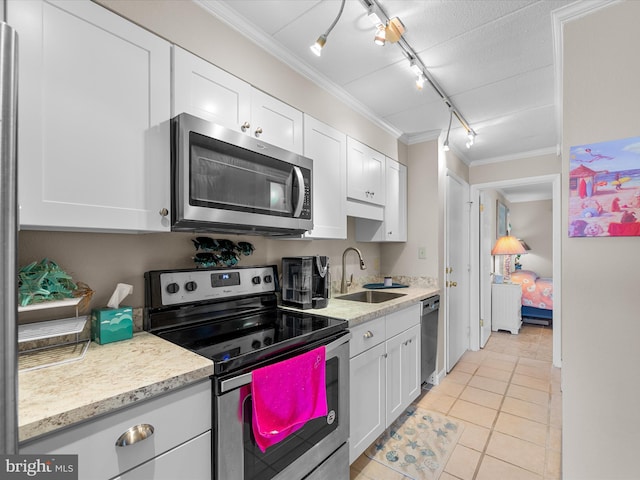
{"x":430,"y":304}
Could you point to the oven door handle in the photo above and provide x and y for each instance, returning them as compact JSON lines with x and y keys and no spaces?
{"x":245,"y":379}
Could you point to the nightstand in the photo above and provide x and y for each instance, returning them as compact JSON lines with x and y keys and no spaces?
{"x":506,"y":301}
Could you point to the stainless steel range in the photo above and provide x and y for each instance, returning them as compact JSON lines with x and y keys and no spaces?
{"x":231,"y":316}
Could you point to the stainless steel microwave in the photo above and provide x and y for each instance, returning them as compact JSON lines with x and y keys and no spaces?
{"x":227,"y":181}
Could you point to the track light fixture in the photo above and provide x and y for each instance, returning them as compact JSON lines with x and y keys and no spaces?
{"x":381,"y":36}
{"x":446,"y":141}
{"x":471,"y":135}
{"x":394,"y":30}
{"x":316,"y":48}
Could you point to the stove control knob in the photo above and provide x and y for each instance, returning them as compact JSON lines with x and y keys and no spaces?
{"x":268,"y":279}
{"x":256,"y":344}
{"x":173,"y":288}
{"x":268,"y":341}
{"x":191,"y":286}
{"x":256,"y":280}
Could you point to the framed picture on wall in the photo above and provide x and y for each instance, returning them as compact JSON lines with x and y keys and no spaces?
{"x":502,"y":213}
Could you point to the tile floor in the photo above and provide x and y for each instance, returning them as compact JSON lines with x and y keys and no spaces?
{"x":508,"y":396}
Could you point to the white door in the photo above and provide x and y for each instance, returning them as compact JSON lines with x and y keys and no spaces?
{"x":457,"y":270}
{"x":486,"y":213}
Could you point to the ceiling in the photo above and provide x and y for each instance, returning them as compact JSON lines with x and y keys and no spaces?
{"x":493,"y":59}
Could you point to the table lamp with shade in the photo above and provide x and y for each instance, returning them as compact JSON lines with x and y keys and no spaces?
{"x":507,"y":246}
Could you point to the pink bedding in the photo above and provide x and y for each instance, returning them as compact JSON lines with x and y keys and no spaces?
{"x":536,"y":291}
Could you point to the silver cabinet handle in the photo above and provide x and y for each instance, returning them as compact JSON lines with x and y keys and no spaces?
{"x":245,"y":126}
{"x":368,"y":334}
{"x":135,"y":434}
{"x":258,"y":132}
{"x":164,"y":212}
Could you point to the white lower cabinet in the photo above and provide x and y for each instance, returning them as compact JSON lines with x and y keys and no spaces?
{"x":179,"y":447}
{"x":184,"y":461}
{"x":384,"y":374}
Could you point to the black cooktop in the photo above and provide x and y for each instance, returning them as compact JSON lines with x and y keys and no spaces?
{"x":249,"y":340}
{"x":231,"y":316}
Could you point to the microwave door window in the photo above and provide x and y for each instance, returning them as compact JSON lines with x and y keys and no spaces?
{"x":249,"y":183}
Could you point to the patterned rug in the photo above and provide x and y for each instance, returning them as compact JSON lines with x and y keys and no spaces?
{"x":418,"y":444}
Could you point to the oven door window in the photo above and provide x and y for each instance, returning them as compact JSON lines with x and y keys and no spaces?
{"x":229,"y":177}
{"x":264,"y":466}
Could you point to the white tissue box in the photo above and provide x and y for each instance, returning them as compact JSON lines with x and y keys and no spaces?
{"x":111,"y":324}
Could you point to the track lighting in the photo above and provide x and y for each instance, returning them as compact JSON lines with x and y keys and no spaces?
{"x":471,"y":135}
{"x":316,"y":48}
{"x":446,"y":141}
{"x":420,"y":82}
{"x":374,"y":16}
{"x":381,"y":36}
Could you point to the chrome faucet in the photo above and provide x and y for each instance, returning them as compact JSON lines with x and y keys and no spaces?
{"x":344,"y":284}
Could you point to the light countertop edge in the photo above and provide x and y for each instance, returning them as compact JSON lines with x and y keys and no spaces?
{"x":359,"y":312}
{"x":110,"y":377}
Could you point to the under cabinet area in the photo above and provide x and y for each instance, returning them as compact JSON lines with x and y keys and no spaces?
{"x":93,"y":129}
{"x":208,"y":92}
{"x":384,"y":374}
{"x":175,"y":437}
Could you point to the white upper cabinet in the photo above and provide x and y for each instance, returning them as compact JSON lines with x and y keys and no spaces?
{"x":327,"y":147}
{"x":206,"y":91}
{"x":365,"y":173}
{"x":393,"y":227}
{"x":93,"y":142}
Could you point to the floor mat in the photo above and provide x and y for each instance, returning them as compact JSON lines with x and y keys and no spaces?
{"x":418,"y":444}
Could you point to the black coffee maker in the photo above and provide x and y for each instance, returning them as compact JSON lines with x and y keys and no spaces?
{"x":306,"y":282}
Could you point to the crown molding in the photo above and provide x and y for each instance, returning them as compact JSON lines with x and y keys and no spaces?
{"x":275,"y":49}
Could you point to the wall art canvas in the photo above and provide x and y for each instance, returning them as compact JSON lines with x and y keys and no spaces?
{"x":604,"y":189}
{"x":502,"y":220}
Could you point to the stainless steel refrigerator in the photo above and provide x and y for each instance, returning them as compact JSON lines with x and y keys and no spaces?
{"x":8,"y":241}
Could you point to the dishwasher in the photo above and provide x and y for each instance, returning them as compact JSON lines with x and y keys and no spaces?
{"x":429,"y":336}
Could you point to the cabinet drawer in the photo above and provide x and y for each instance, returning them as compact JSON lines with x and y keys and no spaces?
{"x":366,"y":335}
{"x":402,"y":320}
{"x":176,"y":417}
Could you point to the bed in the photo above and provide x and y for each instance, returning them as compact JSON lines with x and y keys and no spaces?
{"x":537,"y":297}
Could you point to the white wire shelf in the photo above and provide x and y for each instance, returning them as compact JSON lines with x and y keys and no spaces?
{"x":67,"y":302}
{"x":51,"y":328}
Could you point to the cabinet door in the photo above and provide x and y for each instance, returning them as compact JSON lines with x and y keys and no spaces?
{"x":506,"y":303}
{"x":191,"y":460}
{"x":208,"y":92}
{"x":327,"y":147}
{"x":366,"y":400}
{"x":395,"y":400}
{"x":411,"y":384}
{"x":395,"y":209}
{"x":365,"y":173}
{"x":276,"y":122}
{"x":93,"y":142}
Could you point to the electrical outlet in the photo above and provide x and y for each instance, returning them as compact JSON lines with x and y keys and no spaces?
{"x":422,"y":253}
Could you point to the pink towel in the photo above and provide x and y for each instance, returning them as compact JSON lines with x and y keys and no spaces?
{"x":286,"y":395}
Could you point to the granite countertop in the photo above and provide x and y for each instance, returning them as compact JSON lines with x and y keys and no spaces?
{"x":117,"y":374}
{"x":110,"y":376}
{"x":359,"y":312}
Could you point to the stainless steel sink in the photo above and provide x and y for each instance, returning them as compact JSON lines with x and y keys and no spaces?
{"x":370,"y":296}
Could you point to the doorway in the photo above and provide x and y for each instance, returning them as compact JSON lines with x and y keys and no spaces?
{"x":478,"y":282}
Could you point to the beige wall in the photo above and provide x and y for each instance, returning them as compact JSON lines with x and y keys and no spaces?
{"x":102,"y":260}
{"x":533,"y":222}
{"x":601,"y":326}
{"x":514,"y":169}
{"x":422,"y":216}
